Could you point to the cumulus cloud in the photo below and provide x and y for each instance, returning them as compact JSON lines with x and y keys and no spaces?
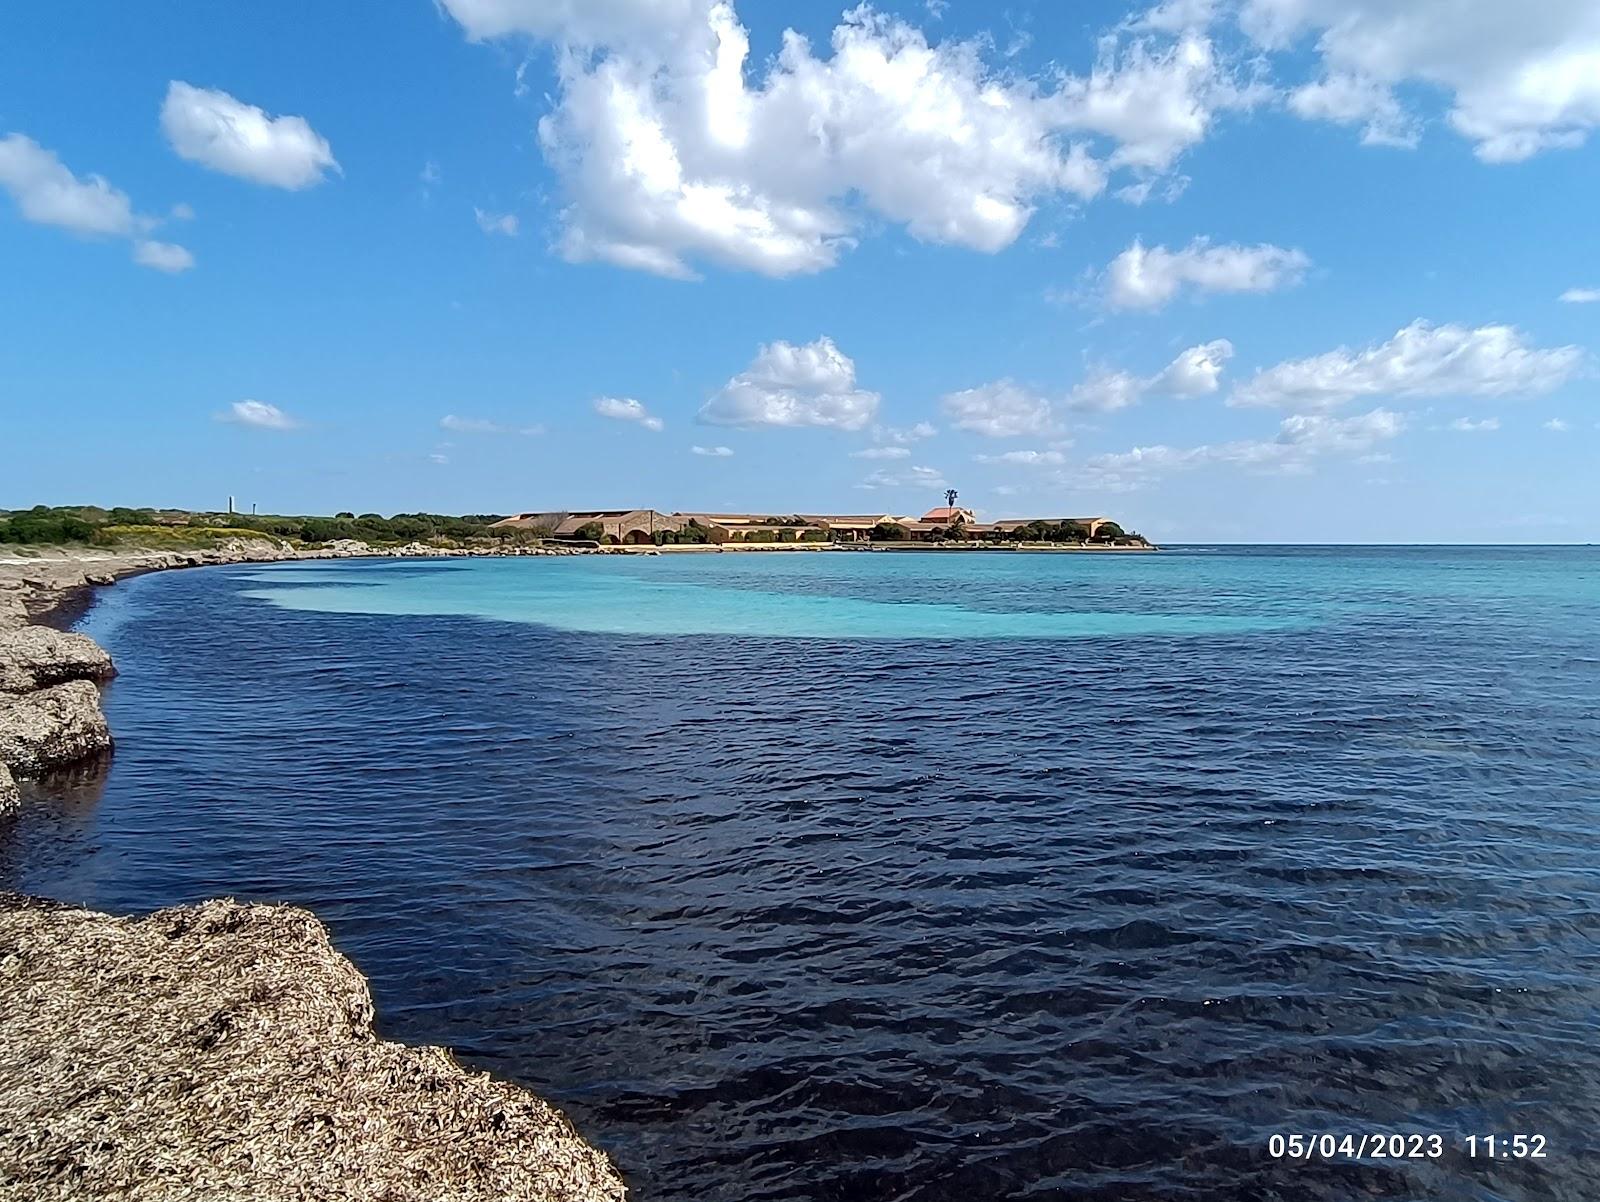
{"x":259,"y":415}
{"x":46,"y":192}
{"x":713,"y":452}
{"x":1302,"y":439}
{"x":1006,"y":409}
{"x":482,"y":425}
{"x":1349,"y":99}
{"x":1153,"y":101}
{"x":1106,"y":391}
{"x":882,"y":453}
{"x":213,"y":129}
{"x":626,"y":409}
{"x":904,"y":435}
{"x":1003,"y":409}
{"x":1580,"y":296}
{"x":1465,"y":425}
{"x":674,"y":152}
{"x":1196,"y":372}
{"x":1422,"y":360}
{"x":163,"y":256}
{"x":1151,"y":278}
{"x":788,"y":385}
{"x":1522,"y":78}
{"x":505,"y":224}
{"x":1557,"y":425}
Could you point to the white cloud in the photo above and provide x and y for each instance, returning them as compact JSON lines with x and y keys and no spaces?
{"x":258,"y":414}
{"x":1557,"y":425}
{"x":213,"y":129}
{"x":481,"y":425}
{"x":163,"y":256}
{"x":673,"y":150}
{"x":904,"y":435}
{"x":1580,"y":296}
{"x":505,"y":224}
{"x":1151,"y":278}
{"x":1422,"y":360}
{"x":713,"y":452}
{"x":788,"y":385}
{"x":1154,"y":101}
{"x":1301,"y":440}
{"x":1006,"y":409}
{"x":436,"y":457}
{"x":1522,"y":78}
{"x":1178,"y":16}
{"x":1105,"y":391}
{"x":46,"y":192}
{"x":911,"y":477}
{"x":626,"y":409}
{"x":882,"y":453}
{"x":1196,"y":372}
{"x":1349,"y":99}
{"x":1465,"y":425}
{"x":182,"y":212}
{"x":1003,"y":409}
{"x":1024,"y":458}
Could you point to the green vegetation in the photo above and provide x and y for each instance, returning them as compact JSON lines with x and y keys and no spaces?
{"x":43,"y":525}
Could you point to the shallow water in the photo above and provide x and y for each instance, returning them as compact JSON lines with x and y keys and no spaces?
{"x":913,"y":877}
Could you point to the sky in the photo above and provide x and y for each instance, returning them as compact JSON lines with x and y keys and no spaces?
{"x":1226,"y":270}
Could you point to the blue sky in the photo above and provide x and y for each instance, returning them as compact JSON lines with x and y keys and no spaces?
{"x":1268,"y":270}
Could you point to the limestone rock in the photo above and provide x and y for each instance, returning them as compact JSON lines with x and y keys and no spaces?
{"x":51,"y":728}
{"x":8,"y":792}
{"x":32,"y":657}
{"x":226,"y":1051}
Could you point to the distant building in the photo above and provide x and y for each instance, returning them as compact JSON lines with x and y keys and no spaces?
{"x":638,"y":526}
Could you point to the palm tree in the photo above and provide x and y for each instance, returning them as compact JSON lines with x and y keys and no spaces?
{"x":950,"y":496}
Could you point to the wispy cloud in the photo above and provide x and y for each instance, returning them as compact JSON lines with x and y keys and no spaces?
{"x":259,"y":415}
{"x":480,"y":425}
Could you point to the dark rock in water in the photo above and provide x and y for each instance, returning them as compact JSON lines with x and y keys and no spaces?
{"x":227,"y":1051}
{"x":52,"y":727}
{"x":32,"y":657}
{"x":100,"y":579}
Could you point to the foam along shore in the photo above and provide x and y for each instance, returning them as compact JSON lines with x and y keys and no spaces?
{"x":226,"y":1051}
{"x":220,"y":1050}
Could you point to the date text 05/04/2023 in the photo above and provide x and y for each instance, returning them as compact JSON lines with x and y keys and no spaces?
{"x":1396,"y":1145}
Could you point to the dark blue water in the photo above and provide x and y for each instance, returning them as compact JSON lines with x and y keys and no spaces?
{"x":914,"y":919}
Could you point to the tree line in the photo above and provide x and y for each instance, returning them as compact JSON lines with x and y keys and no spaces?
{"x":44,"y":524}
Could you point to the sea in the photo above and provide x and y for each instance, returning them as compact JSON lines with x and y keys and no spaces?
{"x":915,"y":877}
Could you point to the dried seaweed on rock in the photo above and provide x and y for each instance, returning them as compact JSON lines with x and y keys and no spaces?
{"x":225,"y":1051}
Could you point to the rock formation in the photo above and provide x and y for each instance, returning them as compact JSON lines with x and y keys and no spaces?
{"x":226,"y":1051}
{"x":51,"y":727}
{"x":33,"y":657}
{"x":9,"y":797}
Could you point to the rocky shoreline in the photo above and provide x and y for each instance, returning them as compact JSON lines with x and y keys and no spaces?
{"x":218,"y":1050}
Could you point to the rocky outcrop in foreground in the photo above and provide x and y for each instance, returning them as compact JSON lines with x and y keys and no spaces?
{"x":9,"y":797}
{"x":34,"y":657}
{"x":52,"y":727}
{"x":227,"y":1051}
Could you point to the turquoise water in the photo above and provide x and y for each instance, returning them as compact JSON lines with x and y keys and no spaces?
{"x":819,"y":596}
